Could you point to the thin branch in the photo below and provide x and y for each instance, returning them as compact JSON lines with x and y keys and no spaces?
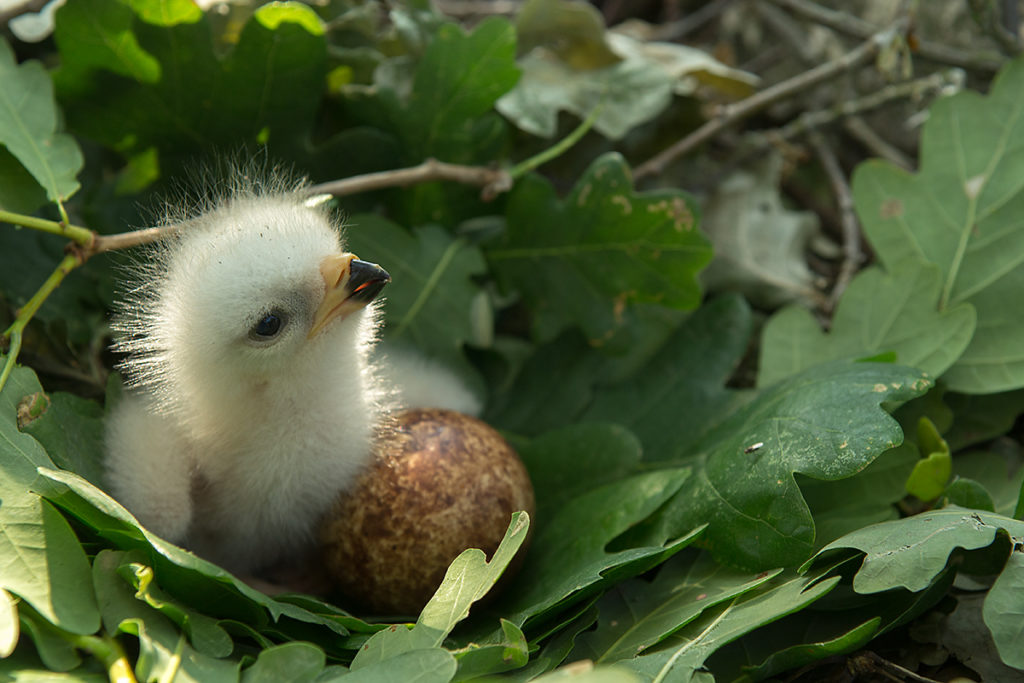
{"x":79,"y":235}
{"x":26,"y":312}
{"x":849,"y":25}
{"x":935,"y":83}
{"x":491,"y":179}
{"x":859,"y":129}
{"x":852,"y":254}
{"x":734,"y":113}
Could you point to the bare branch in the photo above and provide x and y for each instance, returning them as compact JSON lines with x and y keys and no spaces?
{"x":849,"y":25}
{"x":852,"y":254}
{"x":492,"y":180}
{"x":734,"y":113}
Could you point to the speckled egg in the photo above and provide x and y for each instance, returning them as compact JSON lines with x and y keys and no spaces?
{"x":441,"y":482}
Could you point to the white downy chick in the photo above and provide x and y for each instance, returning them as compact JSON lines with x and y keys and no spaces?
{"x":252,"y":400}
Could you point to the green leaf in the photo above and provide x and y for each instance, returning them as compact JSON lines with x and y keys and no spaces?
{"x":868,"y":497}
{"x":679,"y":395}
{"x":967,"y":493}
{"x":981,"y":418}
{"x":54,"y":646}
{"x":429,"y":665}
{"x":570,"y":555}
{"x":551,"y":389}
{"x":183,"y":575}
{"x":205,"y":634}
{"x":586,"y":260}
{"x":42,"y":560}
{"x":271,"y":82}
{"x":1003,"y":611}
{"x":28,"y":126}
{"x":97,"y":34}
{"x":825,"y":423}
{"x":930,"y":475}
{"x":963,"y":633}
{"x":556,"y":648}
{"x":468,"y":579}
{"x":568,"y":462}
{"x":71,"y":431}
{"x":459,"y":78}
{"x":878,"y":312}
{"x":682,"y":654}
{"x":295,"y":662}
{"x":510,"y":652}
{"x":1000,"y":477}
{"x":910,"y":552}
{"x":960,"y":212}
{"x":792,"y":657}
{"x":582,"y":672}
{"x":162,"y":648}
{"x":638,"y":614}
{"x":430,"y":297}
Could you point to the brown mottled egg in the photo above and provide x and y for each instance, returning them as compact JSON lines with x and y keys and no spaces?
{"x":441,"y":482}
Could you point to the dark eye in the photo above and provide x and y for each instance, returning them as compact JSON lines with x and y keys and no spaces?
{"x":267,"y":327}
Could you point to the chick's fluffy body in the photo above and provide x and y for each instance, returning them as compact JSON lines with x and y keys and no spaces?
{"x":224,"y":443}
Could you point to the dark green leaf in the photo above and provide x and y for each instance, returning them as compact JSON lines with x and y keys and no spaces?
{"x":162,"y":648}
{"x":825,"y":423}
{"x":457,"y":81}
{"x":569,"y":556}
{"x":684,"y":653}
{"x":680,"y":394}
{"x":868,"y":497}
{"x":293,"y":662}
{"x":586,"y":260}
{"x":567,"y":462}
{"x":430,"y":297}
{"x":638,"y":614}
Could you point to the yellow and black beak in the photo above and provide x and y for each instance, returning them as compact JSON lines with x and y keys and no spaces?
{"x":350,"y":285}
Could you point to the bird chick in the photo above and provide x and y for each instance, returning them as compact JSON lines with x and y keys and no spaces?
{"x":251,"y":397}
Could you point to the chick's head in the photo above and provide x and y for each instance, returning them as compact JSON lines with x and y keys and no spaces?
{"x":256,"y":296}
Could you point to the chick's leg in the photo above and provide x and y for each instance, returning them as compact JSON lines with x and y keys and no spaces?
{"x":149,"y":469}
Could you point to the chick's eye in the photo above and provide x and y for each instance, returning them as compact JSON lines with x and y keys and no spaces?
{"x":267,"y":327}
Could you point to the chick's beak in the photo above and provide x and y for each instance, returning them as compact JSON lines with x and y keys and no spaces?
{"x":351,"y":284}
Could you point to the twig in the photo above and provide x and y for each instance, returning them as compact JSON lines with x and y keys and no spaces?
{"x":876,"y":144}
{"x":852,"y":255}
{"x":87,"y":243}
{"x":869,"y":662}
{"x":25,"y":313}
{"x":674,"y":30}
{"x":933,"y":83}
{"x":493,"y":180}
{"x":732,"y":114}
{"x":79,"y":235}
{"x":856,"y":27}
